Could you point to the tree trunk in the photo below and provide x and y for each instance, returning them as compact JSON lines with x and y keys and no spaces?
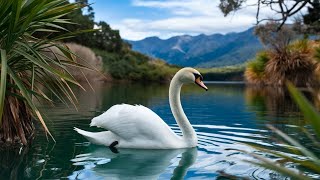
{"x":16,"y":125}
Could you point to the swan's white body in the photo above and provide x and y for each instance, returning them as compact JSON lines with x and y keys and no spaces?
{"x":141,"y":128}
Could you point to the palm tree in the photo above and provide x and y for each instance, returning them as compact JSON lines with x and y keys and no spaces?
{"x":28,"y":73}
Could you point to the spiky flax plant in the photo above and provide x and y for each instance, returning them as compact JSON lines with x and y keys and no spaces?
{"x":27,"y":72}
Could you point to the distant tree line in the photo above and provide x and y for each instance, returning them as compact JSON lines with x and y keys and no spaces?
{"x":103,"y":38}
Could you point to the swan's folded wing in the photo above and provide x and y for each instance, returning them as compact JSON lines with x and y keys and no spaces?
{"x":129,"y":122}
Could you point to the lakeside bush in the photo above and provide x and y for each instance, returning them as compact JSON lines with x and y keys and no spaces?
{"x":296,"y":62}
{"x":27,"y":73}
{"x":255,"y":71}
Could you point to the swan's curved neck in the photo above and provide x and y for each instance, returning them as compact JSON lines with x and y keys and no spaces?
{"x":175,"y":104}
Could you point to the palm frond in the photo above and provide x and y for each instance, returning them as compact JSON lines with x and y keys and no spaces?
{"x":3,"y":81}
{"x":30,"y":70}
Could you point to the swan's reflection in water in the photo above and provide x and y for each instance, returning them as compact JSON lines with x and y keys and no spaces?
{"x":101,"y":163}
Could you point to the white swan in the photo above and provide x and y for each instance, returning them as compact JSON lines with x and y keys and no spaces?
{"x":139,"y":127}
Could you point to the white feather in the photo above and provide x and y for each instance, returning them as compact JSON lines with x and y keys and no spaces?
{"x":128,"y":121}
{"x":135,"y":126}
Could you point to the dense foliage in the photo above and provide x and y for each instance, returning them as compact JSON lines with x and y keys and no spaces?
{"x":27,"y":72}
{"x":255,"y":71}
{"x":131,"y":65}
{"x":312,"y":18}
{"x":118,"y":59}
{"x":286,"y":58}
{"x":103,"y":37}
{"x":296,"y":63}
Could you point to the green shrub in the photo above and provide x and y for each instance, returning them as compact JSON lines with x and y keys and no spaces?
{"x":317,"y":54}
{"x":27,"y":73}
{"x":131,"y":65}
{"x":258,"y":65}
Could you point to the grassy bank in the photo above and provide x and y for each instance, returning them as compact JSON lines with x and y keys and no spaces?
{"x":226,"y":73}
{"x":134,"y":66}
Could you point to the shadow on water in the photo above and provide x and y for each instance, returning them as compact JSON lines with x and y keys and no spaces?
{"x":13,"y":162}
{"x":132,"y":163}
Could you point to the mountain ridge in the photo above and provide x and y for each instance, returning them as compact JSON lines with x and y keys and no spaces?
{"x":202,"y":50}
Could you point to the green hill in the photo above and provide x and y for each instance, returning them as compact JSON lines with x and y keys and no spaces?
{"x":202,"y":50}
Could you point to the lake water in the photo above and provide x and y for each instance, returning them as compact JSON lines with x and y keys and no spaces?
{"x":225,"y":117}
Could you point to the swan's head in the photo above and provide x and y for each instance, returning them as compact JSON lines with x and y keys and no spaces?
{"x":190,"y":75}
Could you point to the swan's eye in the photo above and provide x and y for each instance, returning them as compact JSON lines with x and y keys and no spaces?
{"x":197,"y":76}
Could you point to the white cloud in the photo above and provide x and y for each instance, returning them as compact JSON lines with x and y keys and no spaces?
{"x":188,"y":17}
{"x":135,"y":29}
{"x":188,"y":7}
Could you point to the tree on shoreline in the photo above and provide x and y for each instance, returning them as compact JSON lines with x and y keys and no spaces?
{"x":102,"y":37}
{"x":282,"y":61}
{"x":284,"y":8}
{"x":312,"y":18}
{"x":285,"y":58}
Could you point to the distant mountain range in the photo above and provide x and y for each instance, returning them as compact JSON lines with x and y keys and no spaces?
{"x":202,"y":50}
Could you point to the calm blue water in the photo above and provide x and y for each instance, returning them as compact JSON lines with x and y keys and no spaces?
{"x":225,"y":117}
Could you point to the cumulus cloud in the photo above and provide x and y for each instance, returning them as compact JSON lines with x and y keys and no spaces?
{"x":187,"y":17}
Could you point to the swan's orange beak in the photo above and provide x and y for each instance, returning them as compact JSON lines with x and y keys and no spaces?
{"x":200,"y":83}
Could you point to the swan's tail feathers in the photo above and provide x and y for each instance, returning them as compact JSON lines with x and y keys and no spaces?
{"x":100,"y":138}
{"x":93,"y":122}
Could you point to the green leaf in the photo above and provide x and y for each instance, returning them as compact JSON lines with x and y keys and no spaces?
{"x":26,"y":95}
{"x":309,"y":112}
{"x":45,"y":66}
{"x":266,"y":163}
{"x":3,"y":81}
{"x":295,"y":143}
{"x":30,"y":72}
{"x":306,"y":163}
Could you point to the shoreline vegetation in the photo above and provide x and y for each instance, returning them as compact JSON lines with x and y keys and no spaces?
{"x":287,"y":57}
{"x":28,"y":73}
{"x":298,"y":62}
{"x":56,"y":47}
{"x":134,"y":66}
{"x":39,"y":63}
{"x":113,"y":58}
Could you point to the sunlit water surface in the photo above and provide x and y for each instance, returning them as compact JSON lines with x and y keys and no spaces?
{"x":225,"y":118}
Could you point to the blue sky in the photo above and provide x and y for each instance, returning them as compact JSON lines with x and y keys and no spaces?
{"x":138,"y":19}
